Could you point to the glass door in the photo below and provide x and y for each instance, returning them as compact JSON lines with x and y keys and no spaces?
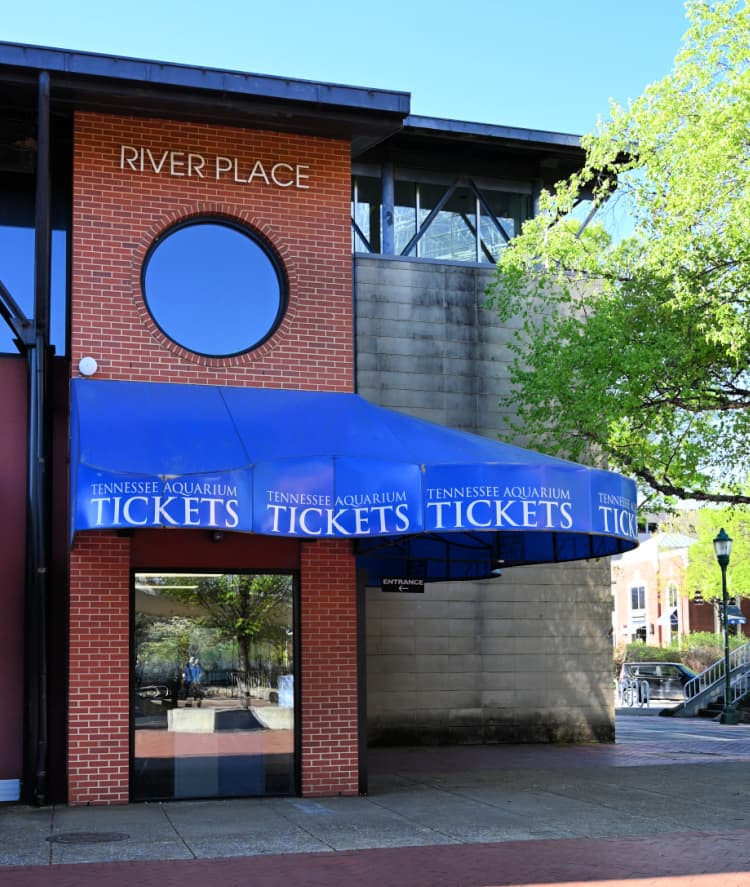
{"x":213,"y":698}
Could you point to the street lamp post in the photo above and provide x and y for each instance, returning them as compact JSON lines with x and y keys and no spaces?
{"x":723,"y":548}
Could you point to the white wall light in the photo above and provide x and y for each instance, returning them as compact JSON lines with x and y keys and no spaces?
{"x":87,"y":366}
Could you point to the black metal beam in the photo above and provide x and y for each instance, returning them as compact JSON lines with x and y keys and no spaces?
{"x":35,"y":758}
{"x":12,"y":314}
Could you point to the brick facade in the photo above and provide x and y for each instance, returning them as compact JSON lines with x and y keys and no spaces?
{"x":329,"y":669}
{"x":98,"y":707}
{"x":117,"y":214}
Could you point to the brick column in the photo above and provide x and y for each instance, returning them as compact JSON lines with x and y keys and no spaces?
{"x":98,"y":723}
{"x":330,"y":759}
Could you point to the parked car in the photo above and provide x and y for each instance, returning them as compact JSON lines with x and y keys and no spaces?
{"x":665,"y":679}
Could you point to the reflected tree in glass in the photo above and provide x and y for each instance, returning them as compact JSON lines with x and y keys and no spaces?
{"x":247,"y":609}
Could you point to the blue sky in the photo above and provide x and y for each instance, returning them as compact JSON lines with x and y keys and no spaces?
{"x":542,"y":64}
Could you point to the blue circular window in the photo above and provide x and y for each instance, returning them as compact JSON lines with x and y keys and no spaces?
{"x":214,"y":288}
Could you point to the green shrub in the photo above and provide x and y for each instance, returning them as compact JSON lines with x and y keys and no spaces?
{"x":703,"y":648}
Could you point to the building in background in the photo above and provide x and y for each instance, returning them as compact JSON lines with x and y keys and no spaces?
{"x":651,"y":601}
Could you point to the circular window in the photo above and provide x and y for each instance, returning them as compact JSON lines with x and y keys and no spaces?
{"x":214,"y":287}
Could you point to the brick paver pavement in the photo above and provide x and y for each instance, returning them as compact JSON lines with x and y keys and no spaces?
{"x":668,"y":860}
{"x":693,"y":772}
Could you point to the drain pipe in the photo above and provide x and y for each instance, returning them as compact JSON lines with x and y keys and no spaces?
{"x":37,"y":468}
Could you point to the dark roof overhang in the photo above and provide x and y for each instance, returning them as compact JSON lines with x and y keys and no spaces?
{"x":91,"y":81}
{"x":481,"y":149}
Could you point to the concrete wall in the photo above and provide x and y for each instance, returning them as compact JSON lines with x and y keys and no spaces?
{"x":426,"y":346}
{"x":526,"y":657}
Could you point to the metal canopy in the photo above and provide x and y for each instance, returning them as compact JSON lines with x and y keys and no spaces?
{"x":417,"y":499}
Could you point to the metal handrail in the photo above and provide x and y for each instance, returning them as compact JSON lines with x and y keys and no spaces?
{"x":740,"y":686}
{"x":711,"y":676}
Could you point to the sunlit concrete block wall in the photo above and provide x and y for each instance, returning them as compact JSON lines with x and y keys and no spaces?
{"x":526,"y":657}
{"x":425,"y":343}
{"x":523,"y":658}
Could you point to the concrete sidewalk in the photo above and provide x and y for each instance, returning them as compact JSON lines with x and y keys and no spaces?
{"x":671,"y":797}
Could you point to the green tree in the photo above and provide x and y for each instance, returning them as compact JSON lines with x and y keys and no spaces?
{"x":636,"y":350}
{"x":243,"y":608}
{"x":703,"y":572}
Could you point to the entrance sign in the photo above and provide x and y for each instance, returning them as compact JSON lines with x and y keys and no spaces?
{"x":318,"y":465}
{"x":403,"y":586}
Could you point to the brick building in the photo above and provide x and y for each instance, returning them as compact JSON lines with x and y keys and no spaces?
{"x":652,"y":603}
{"x":232,"y":576}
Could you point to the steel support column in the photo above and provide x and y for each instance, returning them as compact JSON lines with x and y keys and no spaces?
{"x":35,"y":757}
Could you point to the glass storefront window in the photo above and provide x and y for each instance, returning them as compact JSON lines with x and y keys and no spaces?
{"x":213,"y":690}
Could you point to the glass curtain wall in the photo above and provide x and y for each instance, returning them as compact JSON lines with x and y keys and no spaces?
{"x":213,"y":702}
{"x":17,"y":237}
{"x":472,"y":224}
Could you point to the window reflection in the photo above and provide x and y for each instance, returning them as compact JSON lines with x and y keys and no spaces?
{"x":366,"y":213}
{"x":452,"y":234}
{"x":508,"y":212}
{"x":404,"y":214}
{"x":213,"y":685}
{"x":214,"y":288}
{"x":17,"y":273}
{"x":473,"y":223}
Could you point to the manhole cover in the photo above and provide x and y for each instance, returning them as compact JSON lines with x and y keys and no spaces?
{"x":87,"y":837}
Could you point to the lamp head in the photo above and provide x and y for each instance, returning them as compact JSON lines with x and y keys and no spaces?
{"x":722,"y":547}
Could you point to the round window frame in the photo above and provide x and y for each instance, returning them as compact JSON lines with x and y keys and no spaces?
{"x":259,"y":240}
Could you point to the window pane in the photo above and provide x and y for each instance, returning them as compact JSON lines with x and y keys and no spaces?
{"x":366,"y":195}
{"x":672,"y":595}
{"x":452,"y":234}
{"x":638,"y":598}
{"x":213,"y":688}
{"x":214,"y":288}
{"x":404,"y":214}
{"x":17,"y":273}
{"x":510,"y":211}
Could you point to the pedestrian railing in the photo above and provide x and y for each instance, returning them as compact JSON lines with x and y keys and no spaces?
{"x":711,"y":682}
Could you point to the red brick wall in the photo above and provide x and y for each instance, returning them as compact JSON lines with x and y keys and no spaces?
{"x":329,"y":669}
{"x":117,"y":214}
{"x":13,"y":387}
{"x":98,"y":731}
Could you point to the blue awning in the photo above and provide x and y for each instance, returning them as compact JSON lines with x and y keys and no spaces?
{"x":418,"y":499}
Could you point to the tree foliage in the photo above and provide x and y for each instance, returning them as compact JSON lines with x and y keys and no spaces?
{"x":703,"y":572}
{"x":243,"y":608}
{"x":636,"y":350}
